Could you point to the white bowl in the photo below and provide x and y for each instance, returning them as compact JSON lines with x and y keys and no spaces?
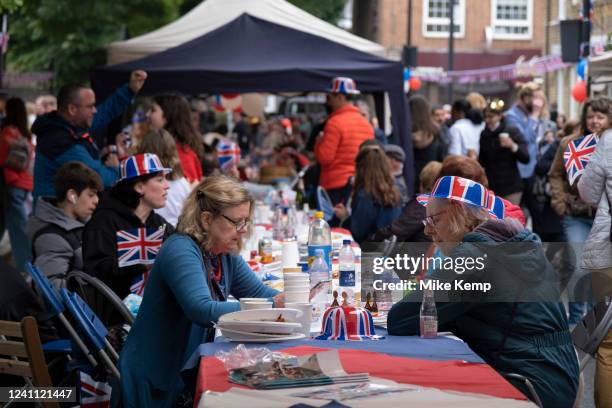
{"x":255,"y":305}
{"x":297,"y":297}
{"x":296,"y":276}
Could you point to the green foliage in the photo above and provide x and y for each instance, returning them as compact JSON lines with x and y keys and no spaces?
{"x":8,"y":6}
{"x":69,"y":37}
{"x":328,"y":10}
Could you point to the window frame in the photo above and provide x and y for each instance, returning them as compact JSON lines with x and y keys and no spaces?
{"x":443,"y":20}
{"x":512,"y":23}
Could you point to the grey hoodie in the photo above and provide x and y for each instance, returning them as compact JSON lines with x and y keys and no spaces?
{"x":53,"y":253}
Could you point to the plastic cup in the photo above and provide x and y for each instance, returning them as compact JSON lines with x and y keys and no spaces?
{"x":306,"y":319}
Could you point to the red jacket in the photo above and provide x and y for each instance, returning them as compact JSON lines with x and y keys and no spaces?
{"x":13,"y":178}
{"x":336,"y":151}
{"x":192,"y":168}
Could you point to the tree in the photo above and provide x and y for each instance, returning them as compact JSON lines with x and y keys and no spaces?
{"x":328,"y":10}
{"x":69,"y":37}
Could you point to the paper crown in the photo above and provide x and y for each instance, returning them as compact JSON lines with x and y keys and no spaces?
{"x":466,"y":191}
{"x":344,"y":85}
{"x":228,"y":154}
{"x":141,"y":165}
{"x":347,"y":323}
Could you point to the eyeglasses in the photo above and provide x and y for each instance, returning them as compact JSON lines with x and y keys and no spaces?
{"x":430,"y":220}
{"x":240,"y":225}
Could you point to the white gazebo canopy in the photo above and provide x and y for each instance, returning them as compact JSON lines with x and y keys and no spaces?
{"x":212,"y":14}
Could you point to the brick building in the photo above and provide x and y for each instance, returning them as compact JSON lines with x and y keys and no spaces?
{"x":488,"y":33}
{"x":560,"y":83}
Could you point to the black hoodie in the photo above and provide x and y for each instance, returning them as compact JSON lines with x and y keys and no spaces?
{"x":100,"y":243}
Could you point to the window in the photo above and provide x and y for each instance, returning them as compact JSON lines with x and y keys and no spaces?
{"x":512,"y":19}
{"x":436,"y":18}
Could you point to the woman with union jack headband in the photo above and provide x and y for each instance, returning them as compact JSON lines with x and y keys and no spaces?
{"x":196,"y":270}
{"x":517,"y":324}
{"x":121,"y":240}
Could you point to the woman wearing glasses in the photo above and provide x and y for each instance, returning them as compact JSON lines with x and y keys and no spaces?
{"x":519,"y":326}
{"x":196,"y":270}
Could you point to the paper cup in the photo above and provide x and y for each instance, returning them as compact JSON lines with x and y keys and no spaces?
{"x":504,"y":135}
{"x":290,"y":253}
{"x":255,"y":305}
{"x":296,"y":287}
{"x":252,"y":300}
{"x":306,"y":319}
{"x":297,"y":296}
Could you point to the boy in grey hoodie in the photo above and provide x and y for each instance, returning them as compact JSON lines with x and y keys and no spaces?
{"x":55,"y":231}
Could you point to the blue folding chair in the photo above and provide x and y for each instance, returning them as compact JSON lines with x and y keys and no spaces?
{"x":92,"y":328}
{"x":324,"y":203}
{"x":56,"y":308}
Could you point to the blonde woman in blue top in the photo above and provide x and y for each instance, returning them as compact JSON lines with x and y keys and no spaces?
{"x":195,"y":271}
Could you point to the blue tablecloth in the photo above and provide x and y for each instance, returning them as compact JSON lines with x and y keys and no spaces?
{"x":440,"y":349}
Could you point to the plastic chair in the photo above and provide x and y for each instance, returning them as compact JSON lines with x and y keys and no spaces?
{"x":324,"y":203}
{"x":56,"y":308}
{"x":590,"y":332}
{"x":92,"y":328}
{"x":78,"y":282}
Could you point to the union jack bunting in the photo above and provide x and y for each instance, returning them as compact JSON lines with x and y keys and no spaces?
{"x":94,"y":394}
{"x":347,"y":323}
{"x":467,"y":191}
{"x":228,"y":154}
{"x":138,"y":246}
{"x":577,"y":155}
{"x":139,"y":284}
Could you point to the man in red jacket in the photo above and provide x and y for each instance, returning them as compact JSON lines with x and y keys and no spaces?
{"x":345,"y":130}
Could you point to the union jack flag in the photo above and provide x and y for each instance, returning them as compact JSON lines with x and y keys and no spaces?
{"x":138,"y":246}
{"x":228,"y":154}
{"x":577,"y":155}
{"x":94,"y":394}
{"x":139,"y":284}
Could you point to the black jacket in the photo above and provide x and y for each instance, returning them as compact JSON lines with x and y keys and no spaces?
{"x":499,"y":162}
{"x":436,"y":151}
{"x":100,"y":243}
{"x":408,"y":227}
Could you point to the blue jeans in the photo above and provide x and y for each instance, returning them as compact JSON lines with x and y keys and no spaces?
{"x":15,"y":222}
{"x":576,"y":231}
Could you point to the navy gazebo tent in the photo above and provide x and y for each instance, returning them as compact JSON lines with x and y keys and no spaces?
{"x":249,"y":54}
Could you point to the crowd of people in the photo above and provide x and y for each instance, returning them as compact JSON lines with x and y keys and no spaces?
{"x":173,"y":177}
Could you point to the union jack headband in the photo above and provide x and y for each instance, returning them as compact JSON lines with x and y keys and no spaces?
{"x":466,"y":191}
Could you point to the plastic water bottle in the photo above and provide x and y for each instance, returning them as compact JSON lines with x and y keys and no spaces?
{"x":347,"y":273}
{"x":319,"y":237}
{"x":428,"y":316}
{"x":278,"y":232}
{"x":320,"y":286}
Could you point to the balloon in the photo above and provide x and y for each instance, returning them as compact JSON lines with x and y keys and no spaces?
{"x":415,"y":84}
{"x":579,"y":91}
{"x":232,"y":101}
{"x":406,"y":74}
{"x":581,"y":68}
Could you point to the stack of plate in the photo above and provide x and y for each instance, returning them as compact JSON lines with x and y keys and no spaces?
{"x":261,"y":325}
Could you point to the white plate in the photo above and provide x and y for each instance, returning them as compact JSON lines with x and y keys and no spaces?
{"x":278,"y":339}
{"x":277,"y":328}
{"x":237,"y":334}
{"x":261,"y":315}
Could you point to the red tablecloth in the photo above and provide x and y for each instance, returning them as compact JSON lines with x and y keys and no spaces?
{"x":446,"y":375}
